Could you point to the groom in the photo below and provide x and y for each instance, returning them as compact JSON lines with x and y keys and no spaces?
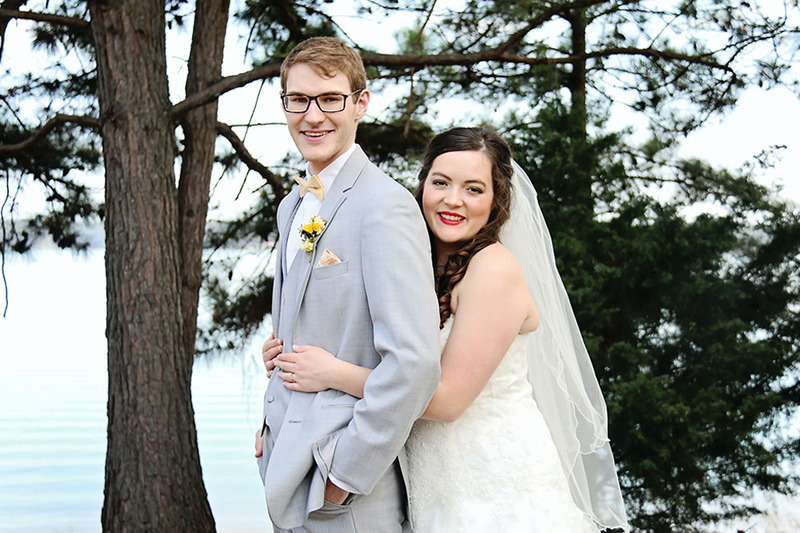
{"x":356,"y":279}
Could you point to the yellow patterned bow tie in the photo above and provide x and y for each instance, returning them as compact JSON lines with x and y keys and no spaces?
{"x":313,"y":184}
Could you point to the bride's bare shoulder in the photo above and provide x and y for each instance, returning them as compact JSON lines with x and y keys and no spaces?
{"x":493,"y":269}
{"x":495,"y":261}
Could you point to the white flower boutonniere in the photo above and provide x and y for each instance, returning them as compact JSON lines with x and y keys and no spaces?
{"x":310,"y":232}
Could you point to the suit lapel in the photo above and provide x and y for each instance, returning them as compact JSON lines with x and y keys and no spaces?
{"x":351,"y":170}
{"x":334,"y":198}
{"x":293,"y":200}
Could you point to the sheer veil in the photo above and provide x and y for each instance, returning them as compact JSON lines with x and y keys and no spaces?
{"x":560,"y":370}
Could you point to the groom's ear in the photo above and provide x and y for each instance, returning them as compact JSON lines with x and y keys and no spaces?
{"x":362,"y":103}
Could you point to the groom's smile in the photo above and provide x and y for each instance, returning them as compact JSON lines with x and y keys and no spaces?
{"x":315,"y":134}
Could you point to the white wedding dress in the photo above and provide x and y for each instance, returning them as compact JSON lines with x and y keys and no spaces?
{"x":495,"y":469}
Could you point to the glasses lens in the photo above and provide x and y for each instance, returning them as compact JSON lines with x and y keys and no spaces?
{"x":296,"y":102}
{"x":331,"y":102}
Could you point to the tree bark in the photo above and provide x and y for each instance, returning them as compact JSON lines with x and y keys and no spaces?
{"x":200,"y":133}
{"x":576,"y":81}
{"x":582,"y":180}
{"x":153,"y":476}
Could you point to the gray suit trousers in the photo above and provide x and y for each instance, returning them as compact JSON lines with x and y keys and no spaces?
{"x":381,"y":511}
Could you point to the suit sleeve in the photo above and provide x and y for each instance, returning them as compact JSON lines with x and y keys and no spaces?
{"x":398,"y":281}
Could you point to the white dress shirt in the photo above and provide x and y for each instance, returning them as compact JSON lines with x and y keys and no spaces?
{"x":310,"y":204}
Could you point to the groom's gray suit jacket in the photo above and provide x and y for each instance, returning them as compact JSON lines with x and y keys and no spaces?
{"x":376,"y":309}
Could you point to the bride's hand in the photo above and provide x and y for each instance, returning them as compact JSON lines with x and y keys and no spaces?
{"x":307,"y":369}
{"x":269,"y":351}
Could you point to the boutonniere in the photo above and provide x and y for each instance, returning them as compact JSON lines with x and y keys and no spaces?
{"x":310,"y":232}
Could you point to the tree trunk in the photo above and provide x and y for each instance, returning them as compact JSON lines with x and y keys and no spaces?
{"x":200,"y":132}
{"x":576,"y":81}
{"x":583,"y":157}
{"x":153,"y":476}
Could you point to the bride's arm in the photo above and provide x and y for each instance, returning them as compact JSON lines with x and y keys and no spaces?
{"x":493,"y":305}
{"x":312,"y":369}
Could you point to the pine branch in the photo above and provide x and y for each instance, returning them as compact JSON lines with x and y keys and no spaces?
{"x":6,"y":15}
{"x":224,"y":85}
{"x":89,"y":122}
{"x":9,"y":12}
{"x":250,"y":161}
{"x":8,"y":5}
{"x":499,"y":54}
{"x":661,"y":54}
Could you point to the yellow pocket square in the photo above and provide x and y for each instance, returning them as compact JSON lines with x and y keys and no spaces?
{"x":328,"y":258}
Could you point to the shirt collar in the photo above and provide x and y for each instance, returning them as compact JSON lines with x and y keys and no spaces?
{"x":329,"y":173}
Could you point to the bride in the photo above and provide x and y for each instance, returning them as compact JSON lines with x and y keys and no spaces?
{"x":514,"y":439}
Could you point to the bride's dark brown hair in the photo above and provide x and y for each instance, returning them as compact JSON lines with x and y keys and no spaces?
{"x":499,"y":153}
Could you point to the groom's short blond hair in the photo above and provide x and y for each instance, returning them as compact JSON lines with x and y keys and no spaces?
{"x":327,"y":56}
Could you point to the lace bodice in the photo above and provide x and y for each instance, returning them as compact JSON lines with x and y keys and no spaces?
{"x":493,"y":469}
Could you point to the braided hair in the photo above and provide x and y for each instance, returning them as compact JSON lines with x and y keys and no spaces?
{"x":499,"y":153}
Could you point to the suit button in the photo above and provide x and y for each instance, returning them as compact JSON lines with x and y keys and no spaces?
{"x":270,"y":399}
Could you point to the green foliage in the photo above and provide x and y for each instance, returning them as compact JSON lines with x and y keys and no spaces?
{"x":236,"y":303}
{"x":233,"y":315}
{"x":397,"y":145}
{"x":54,"y":165}
{"x":691,"y":323}
{"x":54,"y":168}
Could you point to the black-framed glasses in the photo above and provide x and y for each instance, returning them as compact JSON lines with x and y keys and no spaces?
{"x":327,"y":103}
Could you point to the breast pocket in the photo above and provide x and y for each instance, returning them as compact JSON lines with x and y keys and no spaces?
{"x":330,"y":271}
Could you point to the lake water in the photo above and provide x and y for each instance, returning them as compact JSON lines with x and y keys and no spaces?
{"x":53,"y":391}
